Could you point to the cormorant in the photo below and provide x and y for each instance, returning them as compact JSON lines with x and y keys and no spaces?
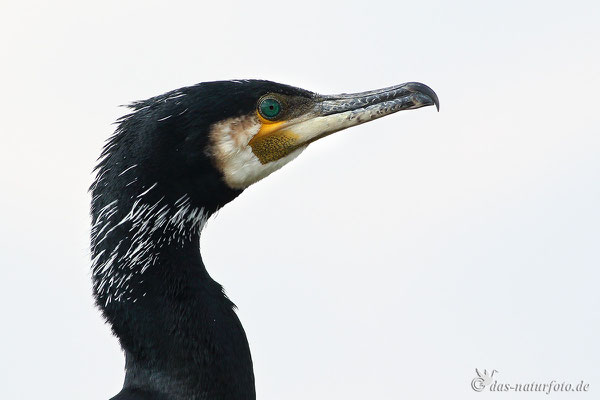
{"x":171,"y":163}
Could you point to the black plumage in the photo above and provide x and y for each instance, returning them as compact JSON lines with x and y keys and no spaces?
{"x":157,"y":181}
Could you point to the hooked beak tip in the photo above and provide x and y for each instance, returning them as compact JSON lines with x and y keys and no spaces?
{"x":426,"y":91}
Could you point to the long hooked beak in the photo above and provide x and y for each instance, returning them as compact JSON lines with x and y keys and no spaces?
{"x":337,"y":112}
{"x":406,"y":96}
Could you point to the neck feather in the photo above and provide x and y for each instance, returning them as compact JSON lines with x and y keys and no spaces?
{"x":179,"y":331}
{"x":129,"y":237}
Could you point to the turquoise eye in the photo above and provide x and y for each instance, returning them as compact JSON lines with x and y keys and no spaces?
{"x":270,"y":108}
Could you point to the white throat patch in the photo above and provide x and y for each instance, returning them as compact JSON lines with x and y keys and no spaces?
{"x":234,"y":157}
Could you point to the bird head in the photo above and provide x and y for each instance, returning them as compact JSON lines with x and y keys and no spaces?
{"x":210,"y":141}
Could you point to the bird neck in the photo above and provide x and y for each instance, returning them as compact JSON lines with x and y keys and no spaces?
{"x":179,"y":331}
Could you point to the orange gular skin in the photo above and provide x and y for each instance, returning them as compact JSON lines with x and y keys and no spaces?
{"x":271,"y":142}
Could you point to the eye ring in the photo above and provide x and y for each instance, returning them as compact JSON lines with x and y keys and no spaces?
{"x":269,"y":108}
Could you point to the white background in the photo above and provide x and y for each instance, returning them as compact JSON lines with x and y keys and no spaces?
{"x":388,"y":261}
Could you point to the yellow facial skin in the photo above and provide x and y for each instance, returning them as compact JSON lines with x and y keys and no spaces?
{"x":273,"y":141}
